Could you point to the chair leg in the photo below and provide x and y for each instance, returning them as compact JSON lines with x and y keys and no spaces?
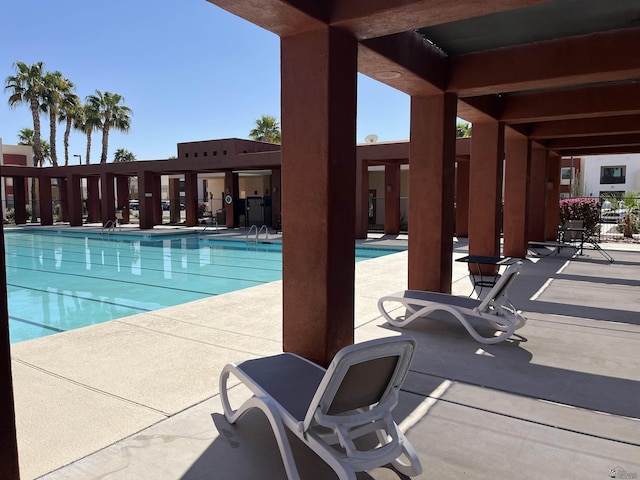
{"x":264,"y":404}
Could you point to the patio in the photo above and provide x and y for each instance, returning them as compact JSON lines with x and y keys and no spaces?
{"x":137,"y":398}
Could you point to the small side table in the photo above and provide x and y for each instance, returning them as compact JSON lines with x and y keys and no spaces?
{"x":481,"y":279}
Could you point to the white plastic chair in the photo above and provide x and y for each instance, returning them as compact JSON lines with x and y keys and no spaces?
{"x":495,"y":308}
{"x":330,"y":409}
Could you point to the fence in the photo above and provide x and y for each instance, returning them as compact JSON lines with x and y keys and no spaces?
{"x":616,"y":219}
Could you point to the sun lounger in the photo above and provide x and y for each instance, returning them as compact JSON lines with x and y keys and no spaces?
{"x":330,"y":409}
{"x":495,"y":309}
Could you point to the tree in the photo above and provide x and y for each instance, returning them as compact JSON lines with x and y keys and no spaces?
{"x":25,"y":137}
{"x":463,"y":130}
{"x":56,"y":86}
{"x":267,"y":130}
{"x":27,"y":86}
{"x":69,"y":106}
{"x":87,"y":120}
{"x":123,"y":155}
{"x":112,"y":113}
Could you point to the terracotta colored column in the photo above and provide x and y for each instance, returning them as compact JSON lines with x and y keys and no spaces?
{"x":319,"y":76}
{"x":108,"y":197}
{"x":552,"y":211}
{"x":362,"y":199}
{"x":516,"y":195}
{"x":20,"y":208}
{"x":146,"y":199}
{"x":122,"y":186}
{"x":391,"y":199}
{"x":93,"y":199}
{"x":537,"y":194}
{"x":232,"y":191}
{"x":191,"y":198}
{"x":485,"y":188}
{"x":462,"y":199}
{"x":74,"y":200}
{"x":431,"y":186}
{"x":46,"y":205}
{"x":63,"y":200}
{"x":156,"y":189}
{"x":9,"y":469}
{"x":174,"y":200}
{"x":276,"y":198}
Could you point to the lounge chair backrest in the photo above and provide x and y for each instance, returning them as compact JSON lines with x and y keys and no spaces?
{"x":362,"y":376}
{"x":498,"y":294}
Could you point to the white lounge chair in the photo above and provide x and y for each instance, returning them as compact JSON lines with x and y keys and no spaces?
{"x":495,"y":308}
{"x":329,"y":409}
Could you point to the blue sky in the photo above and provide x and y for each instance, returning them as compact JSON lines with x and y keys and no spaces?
{"x":189,"y":71}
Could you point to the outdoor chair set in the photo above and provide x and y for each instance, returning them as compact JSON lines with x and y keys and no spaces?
{"x":332,"y":411}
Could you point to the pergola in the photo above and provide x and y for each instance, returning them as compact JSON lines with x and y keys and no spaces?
{"x":537,"y":78}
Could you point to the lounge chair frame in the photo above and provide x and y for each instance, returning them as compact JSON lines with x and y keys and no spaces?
{"x":330,"y":409}
{"x":495,"y":308}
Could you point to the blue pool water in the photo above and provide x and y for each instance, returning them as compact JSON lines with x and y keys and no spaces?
{"x":58,"y":281}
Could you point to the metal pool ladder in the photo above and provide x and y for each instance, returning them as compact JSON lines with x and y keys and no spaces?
{"x":258,"y":232}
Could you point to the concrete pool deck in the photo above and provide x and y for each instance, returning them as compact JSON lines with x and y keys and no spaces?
{"x":137,"y":398}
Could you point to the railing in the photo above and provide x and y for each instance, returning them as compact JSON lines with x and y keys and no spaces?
{"x":258,"y":232}
{"x":253,"y":227}
{"x":266,"y":232}
{"x":109,"y":226}
{"x":214,"y":222}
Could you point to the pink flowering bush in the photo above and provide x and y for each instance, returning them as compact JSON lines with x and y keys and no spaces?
{"x":585,"y":209}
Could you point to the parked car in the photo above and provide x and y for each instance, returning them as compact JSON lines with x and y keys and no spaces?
{"x":134,"y":205}
{"x":613,"y":216}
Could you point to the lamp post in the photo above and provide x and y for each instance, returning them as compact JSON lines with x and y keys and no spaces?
{"x":79,"y":157}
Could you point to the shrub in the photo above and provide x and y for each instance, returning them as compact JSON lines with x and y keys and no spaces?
{"x":585,"y":209}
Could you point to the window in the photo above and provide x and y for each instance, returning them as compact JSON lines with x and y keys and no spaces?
{"x":566,"y":175}
{"x":612,"y":174}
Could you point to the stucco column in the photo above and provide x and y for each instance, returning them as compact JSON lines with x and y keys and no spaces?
{"x":45,"y":199}
{"x":431,"y":186}
{"x":391,"y":199}
{"x":231,"y":189}
{"x":485,"y":188}
{"x":319,"y":76}
{"x":362,"y":199}
{"x":156,"y":188}
{"x":74,"y":200}
{"x":122,"y":185}
{"x":145,"y":199}
{"x":20,"y":207}
{"x":537,"y":194}
{"x":552,"y":211}
{"x":462,"y":198}
{"x":8,"y":440}
{"x":276,"y":198}
{"x":516,"y":195}
{"x":174,"y":200}
{"x":93,"y":199}
{"x":191,"y":198}
{"x":108,"y":197}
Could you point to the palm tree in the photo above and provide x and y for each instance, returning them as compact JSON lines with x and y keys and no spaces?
{"x":112,"y":113}
{"x":267,"y":130}
{"x":54,"y":86}
{"x":25,"y":137}
{"x":87,"y":120}
{"x":69,"y":105}
{"x":123,"y":155}
{"x":27,"y":86}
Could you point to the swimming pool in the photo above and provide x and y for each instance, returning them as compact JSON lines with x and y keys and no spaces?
{"x":62,"y":280}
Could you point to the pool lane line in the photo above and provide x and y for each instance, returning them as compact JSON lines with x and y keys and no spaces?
{"x":63,"y":293}
{"x":36,"y":324}
{"x":177,"y":261}
{"x":144,"y":284}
